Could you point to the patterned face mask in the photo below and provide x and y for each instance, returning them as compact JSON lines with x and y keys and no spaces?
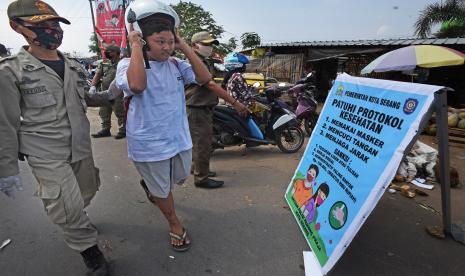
{"x":49,"y":36}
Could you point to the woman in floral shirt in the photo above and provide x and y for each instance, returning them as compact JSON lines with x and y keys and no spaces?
{"x":234,"y":82}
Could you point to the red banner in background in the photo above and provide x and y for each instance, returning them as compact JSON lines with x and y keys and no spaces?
{"x":110,"y":23}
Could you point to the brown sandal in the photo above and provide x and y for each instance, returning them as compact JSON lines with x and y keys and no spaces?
{"x":183,"y":238}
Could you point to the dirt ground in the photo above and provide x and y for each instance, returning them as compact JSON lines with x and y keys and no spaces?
{"x":457,"y":161}
{"x":244,"y":228}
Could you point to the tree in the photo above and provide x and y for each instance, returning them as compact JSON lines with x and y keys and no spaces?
{"x":93,"y":45}
{"x":195,"y":19}
{"x":225,"y":48}
{"x":452,"y":28}
{"x":250,"y":40}
{"x":451,"y":14}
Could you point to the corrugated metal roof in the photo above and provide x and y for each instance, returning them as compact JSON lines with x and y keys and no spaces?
{"x":368,"y":42}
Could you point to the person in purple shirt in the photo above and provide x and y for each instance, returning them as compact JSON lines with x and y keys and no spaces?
{"x":317,"y":199}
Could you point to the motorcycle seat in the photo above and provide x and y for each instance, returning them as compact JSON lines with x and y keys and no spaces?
{"x":223,"y":111}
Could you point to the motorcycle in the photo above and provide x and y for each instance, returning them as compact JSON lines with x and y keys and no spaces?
{"x":276,"y":125}
{"x":306,"y":105}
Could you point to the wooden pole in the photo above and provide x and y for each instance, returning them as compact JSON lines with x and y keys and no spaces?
{"x":443,"y":147}
{"x":128,"y":47}
{"x":93,"y":24}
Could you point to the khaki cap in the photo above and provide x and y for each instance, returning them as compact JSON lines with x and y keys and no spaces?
{"x":33,"y":11}
{"x":203,"y":37}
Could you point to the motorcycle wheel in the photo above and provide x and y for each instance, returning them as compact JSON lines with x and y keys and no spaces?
{"x":290,"y":139}
{"x":309,"y":123}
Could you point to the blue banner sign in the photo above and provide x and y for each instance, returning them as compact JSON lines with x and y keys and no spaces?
{"x":353,"y":154}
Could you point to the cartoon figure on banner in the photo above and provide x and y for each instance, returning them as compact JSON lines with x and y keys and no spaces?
{"x":317,"y":199}
{"x":114,"y":20}
{"x":303,"y":188}
{"x":100,"y":8}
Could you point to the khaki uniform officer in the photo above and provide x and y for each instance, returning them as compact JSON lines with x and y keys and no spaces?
{"x":43,"y":117}
{"x":105,"y":74}
{"x":200,"y":101}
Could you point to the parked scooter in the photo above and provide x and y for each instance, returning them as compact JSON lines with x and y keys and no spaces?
{"x":276,"y":125}
{"x":306,"y":105}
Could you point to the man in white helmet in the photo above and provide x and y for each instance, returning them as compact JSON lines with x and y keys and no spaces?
{"x":158,"y":136}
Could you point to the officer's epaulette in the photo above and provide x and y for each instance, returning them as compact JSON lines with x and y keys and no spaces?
{"x":8,"y":58}
{"x":76,"y":62}
{"x":74,"y":59}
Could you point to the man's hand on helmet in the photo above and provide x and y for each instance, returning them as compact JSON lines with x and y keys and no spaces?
{"x":180,"y":43}
{"x":134,"y":37}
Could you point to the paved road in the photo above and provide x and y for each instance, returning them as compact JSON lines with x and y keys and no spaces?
{"x":244,"y":228}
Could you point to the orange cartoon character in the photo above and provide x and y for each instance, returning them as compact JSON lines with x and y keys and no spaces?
{"x":303,"y":189}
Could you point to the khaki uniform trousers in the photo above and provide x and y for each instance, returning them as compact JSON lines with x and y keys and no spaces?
{"x":118,"y":108}
{"x":201,"y":129}
{"x":65,"y":190}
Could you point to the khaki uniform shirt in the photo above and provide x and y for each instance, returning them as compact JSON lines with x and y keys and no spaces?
{"x":201,"y":96}
{"x":40,"y":114}
{"x":107,"y":70}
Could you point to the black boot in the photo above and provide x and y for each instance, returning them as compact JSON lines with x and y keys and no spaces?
{"x":102,"y":133}
{"x":120,"y":135}
{"x":210,"y":184}
{"x":95,"y":261}
{"x":210,"y":174}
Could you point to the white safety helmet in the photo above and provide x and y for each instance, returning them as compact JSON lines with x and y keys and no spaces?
{"x":140,"y":9}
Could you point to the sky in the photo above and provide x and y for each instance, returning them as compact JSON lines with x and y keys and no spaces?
{"x":274,"y":21}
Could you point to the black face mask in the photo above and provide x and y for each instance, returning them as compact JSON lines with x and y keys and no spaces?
{"x":110,"y":56}
{"x":48,"y":37}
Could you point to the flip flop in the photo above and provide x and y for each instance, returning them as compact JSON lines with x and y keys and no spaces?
{"x":184,"y":246}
